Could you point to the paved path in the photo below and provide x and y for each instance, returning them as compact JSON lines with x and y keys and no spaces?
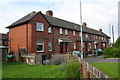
{"x":101,"y":59}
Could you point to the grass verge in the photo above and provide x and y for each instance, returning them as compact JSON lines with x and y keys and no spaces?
{"x":111,"y":69}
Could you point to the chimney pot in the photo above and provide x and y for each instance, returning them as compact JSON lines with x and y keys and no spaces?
{"x":84,"y":24}
{"x":49,"y":13}
{"x":100,"y":30}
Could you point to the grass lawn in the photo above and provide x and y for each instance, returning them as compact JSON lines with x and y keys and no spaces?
{"x":19,"y":70}
{"x":111,"y":69}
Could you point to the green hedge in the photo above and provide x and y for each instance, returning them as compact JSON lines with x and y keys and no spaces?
{"x":111,"y":52}
{"x":117,"y":43}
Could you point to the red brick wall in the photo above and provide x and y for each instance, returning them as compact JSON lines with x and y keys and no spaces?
{"x":17,"y":38}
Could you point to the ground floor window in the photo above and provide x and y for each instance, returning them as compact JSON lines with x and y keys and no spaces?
{"x":74,"y":45}
{"x":40,"y":46}
{"x":49,"y":46}
{"x":89,"y":45}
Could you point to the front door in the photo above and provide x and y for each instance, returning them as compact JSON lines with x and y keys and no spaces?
{"x":61,"y":47}
{"x":66,"y":47}
{"x":86,"y":48}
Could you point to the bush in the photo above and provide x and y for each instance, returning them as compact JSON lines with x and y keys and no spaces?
{"x":117,"y":43}
{"x":72,"y":70}
{"x":111,"y":52}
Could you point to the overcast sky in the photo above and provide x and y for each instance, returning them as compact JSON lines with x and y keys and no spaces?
{"x":96,"y":13}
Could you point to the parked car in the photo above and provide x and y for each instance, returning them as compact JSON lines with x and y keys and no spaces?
{"x":77,"y":53}
{"x":98,"y":51}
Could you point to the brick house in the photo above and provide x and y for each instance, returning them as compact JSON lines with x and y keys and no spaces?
{"x":3,"y":46}
{"x":45,"y":34}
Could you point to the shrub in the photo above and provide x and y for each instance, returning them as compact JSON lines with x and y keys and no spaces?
{"x":111,"y":52}
{"x":117,"y":43}
{"x":72,"y":70}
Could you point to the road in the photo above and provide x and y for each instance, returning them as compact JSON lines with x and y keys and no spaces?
{"x":101,"y":59}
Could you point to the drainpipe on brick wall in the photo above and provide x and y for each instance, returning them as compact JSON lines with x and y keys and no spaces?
{"x":27,"y":38}
{"x":53,"y":39}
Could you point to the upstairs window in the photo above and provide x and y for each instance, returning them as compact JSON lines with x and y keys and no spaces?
{"x":66,"y":32}
{"x":49,"y":46}
{"x":60,"y":30}
{"x":39,"y":26}
{"x":90,"y":36}
{"x":40,"y":46}
{"x":86,"y":35}
{"x":79,"y":33}
{"x":0,"y":41}
{"x":102,"y":38}
{"x":73,"y":33}
{"x":49,"y":29}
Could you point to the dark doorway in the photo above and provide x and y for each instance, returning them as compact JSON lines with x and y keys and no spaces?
{"x":66,"y":47}
{"x":86,"y":48}
{"x":61,"y":47}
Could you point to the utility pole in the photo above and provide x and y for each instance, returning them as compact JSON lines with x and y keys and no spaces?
{"x":113,"y":33}
{"x":110,"y":33}
{"x":81,"y":31}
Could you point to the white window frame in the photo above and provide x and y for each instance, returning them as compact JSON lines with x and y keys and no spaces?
{"x":74,"y":46}
{"x":38,"y":25}
{"x":1,"y":41}
{"x":73,"y":33}
{"x":89,"y":45}
{"x":49,"y":30}
{"x":79,"y":33}
{"x":66,"y":32}
{"x":38,"y":43}
{"x":60,"y":30}
{"x":86,"y":35}
{"x":51,"y":46}
{"x":104,"y":45}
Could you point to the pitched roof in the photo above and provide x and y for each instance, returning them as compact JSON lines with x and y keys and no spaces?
{"x":56,"y":22}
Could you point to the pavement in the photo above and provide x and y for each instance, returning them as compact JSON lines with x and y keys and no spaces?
{"x":98,"y":59}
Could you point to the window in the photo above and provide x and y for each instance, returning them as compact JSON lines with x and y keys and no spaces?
{"x":102,"y":38}
{"x":49,"y":29}
{"x":74,"y":45}
{"x":66,"y":33}
{"x":73,"y":33}
{"x":96,"y":37}
{"x":0,"y":41}
{"x":103,"y":44}
{"x":60,"y":30}
{"x":49,"y":46}
{"x":39,"y":26}
{"x":86,"y":35}
{"x":40,"y":46}
{"x":90,"y":36}
{"x":79,"y":33}
{"x":89,"y":45}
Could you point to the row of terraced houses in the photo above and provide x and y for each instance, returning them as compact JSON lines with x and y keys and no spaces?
{"x":44,"y":34}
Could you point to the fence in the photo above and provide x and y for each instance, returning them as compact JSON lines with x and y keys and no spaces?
{"x":90,"y":72}
{"x":87,"y":71}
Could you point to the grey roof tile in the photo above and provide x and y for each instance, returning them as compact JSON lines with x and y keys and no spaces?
{"x":58,"y":23}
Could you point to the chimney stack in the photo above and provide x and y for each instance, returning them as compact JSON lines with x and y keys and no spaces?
{"x":100,"y":30}
{"x":33,"y":12}
{"x":84,"y":24}
{"x":49,"y":13}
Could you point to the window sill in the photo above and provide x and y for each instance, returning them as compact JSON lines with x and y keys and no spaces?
{"x":40,"y":51}
{"x":39,"y":30}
